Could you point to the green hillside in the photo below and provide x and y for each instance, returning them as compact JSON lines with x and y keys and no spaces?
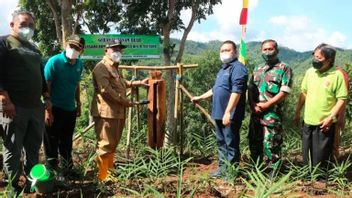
{"x":299,"y":61}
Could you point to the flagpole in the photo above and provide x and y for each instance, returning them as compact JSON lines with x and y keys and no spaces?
{"x":243,"y":24}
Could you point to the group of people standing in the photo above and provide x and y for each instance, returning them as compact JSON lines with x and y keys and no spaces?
{"x":40,"y":103}
{"x":33,"y":96}
{"x":324,"y":92}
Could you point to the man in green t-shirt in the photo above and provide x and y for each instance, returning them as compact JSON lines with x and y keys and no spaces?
{"x":323,"y":93}
{"x":21,"y":86}
{"x":63,"y":74}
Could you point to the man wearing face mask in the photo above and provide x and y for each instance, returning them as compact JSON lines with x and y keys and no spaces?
{"x":324,"y":93}
{"x":21,"y":86}
{"x":109,"y":105}
{"x":268,"y":87}
{"x":63,"y":73}
{"x":228,"y":96}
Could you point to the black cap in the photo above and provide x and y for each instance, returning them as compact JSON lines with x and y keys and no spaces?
{"x":115,"y":43}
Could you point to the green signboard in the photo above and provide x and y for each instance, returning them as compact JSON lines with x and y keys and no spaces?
{"x":138,"y":46}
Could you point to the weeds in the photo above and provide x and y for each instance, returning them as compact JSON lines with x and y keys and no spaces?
{"x":263,"y":185}
{"x":156,"y":164}
{"x":298,"y":172}
{"x":150,"y":191}
{"x":85,"y":163}
{"x":292,"y":141}
{"x":10,"y":191}
{"x":337,"y":174}
{"x":202,"y":142}
{"x":232,"y":171}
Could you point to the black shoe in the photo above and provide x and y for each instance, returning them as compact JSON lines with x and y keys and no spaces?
{"x":72,"y":173}
{"x":17,"y":189}
{"x":27,"y":188}
{"x":4,"y":181}
{"x":61,"y":185}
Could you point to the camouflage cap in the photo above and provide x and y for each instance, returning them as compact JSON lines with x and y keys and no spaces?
{"x":115,"y":43}
{"x":76,"y":40}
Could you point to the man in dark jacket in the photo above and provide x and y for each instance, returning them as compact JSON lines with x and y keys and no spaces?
{"x":21,"y":86}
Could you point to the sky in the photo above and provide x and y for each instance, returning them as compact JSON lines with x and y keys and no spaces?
{"x":297,"y":24}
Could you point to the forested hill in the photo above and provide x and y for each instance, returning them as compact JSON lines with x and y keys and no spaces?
{"x":299,"y":61}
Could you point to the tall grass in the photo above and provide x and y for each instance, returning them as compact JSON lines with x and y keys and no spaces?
{"x":337,"y":174}
{"x":262,"y":185}
{"x":151,"y":164}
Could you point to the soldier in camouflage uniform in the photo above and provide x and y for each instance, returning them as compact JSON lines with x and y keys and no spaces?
{"x":268,"y":87}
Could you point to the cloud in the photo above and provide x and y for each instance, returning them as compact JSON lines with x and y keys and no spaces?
{"x":337,"y":37}
{"x":213,"y":35}
{"x":6,"y":9}
{"x":292,"y":23}
{"x":228,"y":13}
{"x":300,"y":33}
{"x":224,"y":22}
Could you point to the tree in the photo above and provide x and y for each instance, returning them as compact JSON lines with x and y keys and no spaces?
{"x":45,"y":34}
{"x":163,"y":17}
{"x":57,"y":19}
{"x":136,"y":17}
{"x":348,"y":69}
{"x":61,"y":15}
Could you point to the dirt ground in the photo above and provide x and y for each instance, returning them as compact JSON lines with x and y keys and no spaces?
{"x":194,"y":176}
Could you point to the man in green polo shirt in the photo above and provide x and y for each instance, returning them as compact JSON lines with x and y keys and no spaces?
{"x":21,"y":86}
{"x":323,"y":93}
{"x":63,"y":73}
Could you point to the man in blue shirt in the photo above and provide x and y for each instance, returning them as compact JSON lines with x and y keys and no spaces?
{"x":63,"y":73}
{"x":228,"y":96}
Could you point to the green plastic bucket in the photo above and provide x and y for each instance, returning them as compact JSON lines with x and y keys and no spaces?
{"x":40,"y":173}
{"x":41,"y":179}
{"x":46,"y":186}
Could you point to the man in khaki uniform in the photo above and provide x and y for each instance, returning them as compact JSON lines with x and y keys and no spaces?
{"x":109,"y":105}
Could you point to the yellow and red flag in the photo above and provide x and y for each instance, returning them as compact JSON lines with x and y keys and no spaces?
{"x":244,"y":13}
{"x":243,"y":23}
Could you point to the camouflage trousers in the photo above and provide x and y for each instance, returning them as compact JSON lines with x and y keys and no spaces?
{"x":265,"y":143}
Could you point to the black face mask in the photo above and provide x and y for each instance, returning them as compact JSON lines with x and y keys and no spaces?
{"x":269,"y":56}
{"x":317,"y":64}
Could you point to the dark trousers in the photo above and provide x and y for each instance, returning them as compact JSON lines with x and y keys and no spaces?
{"x":228,"y":140}
{"x":58,"y":137}
{"x":316,"y":145}
{"x":255,"y":139}
{"x":24,"y":136}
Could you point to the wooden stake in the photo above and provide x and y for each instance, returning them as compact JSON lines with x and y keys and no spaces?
{"x":180,"y":108}
{"x":137,"y":99}
{"x":198,"y":106}
{"x":177,"y":88}
{"x":129,"y":128}
{"x":181,"y":123}
{"x":156,"y":67}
